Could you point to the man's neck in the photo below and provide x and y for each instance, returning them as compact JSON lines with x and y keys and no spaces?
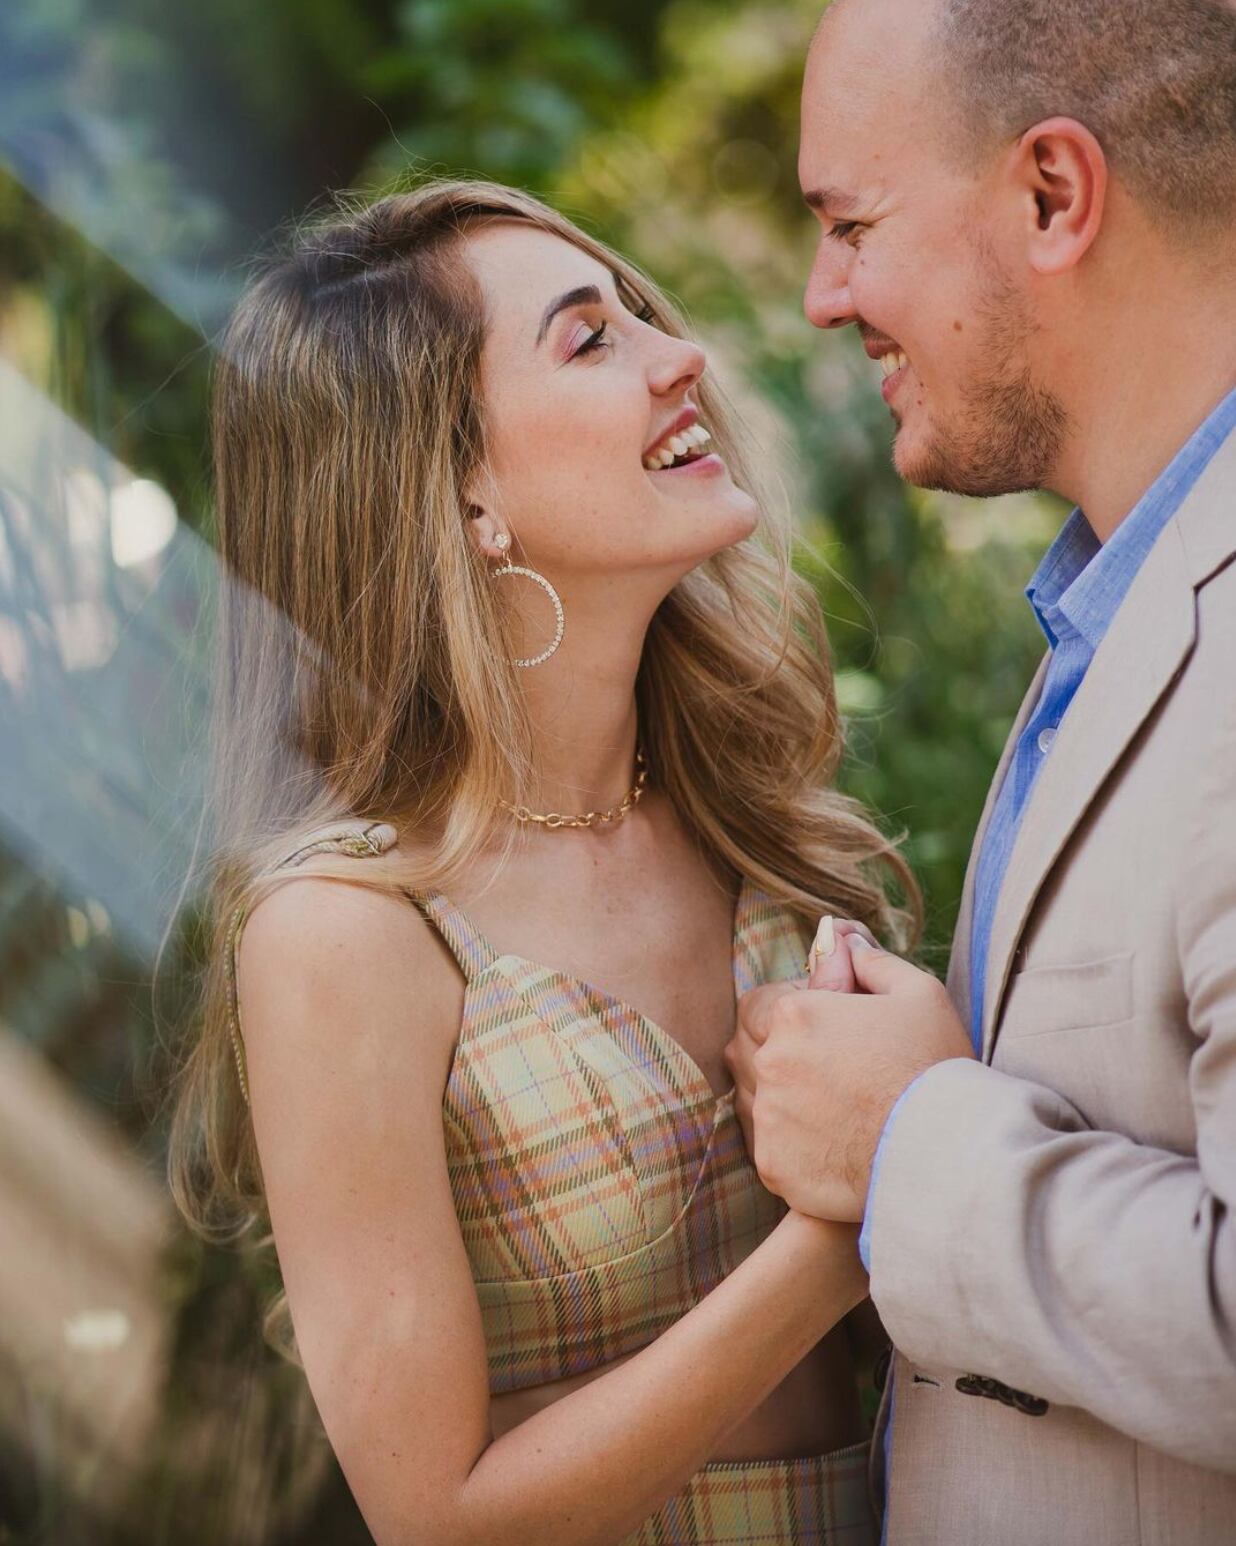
{"x":1138,"y":414}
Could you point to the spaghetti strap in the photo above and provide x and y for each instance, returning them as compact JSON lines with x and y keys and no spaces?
{"x":467,"y":944}
{"x":360,"y":841}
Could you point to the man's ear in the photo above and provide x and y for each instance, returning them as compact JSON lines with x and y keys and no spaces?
{"x":1062,"y":169}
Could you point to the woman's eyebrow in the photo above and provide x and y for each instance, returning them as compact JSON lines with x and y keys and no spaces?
{"x":583,"y":295}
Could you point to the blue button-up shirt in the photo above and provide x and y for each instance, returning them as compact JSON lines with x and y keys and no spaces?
{"x":1075,"y":593}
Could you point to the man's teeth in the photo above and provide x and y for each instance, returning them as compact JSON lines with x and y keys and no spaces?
{"x":676,"y":446}
{"x":893,"y":362}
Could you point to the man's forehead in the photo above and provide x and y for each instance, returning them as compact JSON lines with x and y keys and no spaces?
{"x":873,"y":32}
{"x":864,"y":112}
{"x":870,"y":57}
{"x":842,"y":152}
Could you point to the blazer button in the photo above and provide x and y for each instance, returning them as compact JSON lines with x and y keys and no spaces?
{"x":996,"y":1390}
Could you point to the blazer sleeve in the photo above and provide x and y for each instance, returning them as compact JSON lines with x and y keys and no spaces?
{"x":1010,"y":1239}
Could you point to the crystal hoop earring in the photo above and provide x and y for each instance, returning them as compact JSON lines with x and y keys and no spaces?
{"x":508,"y":567}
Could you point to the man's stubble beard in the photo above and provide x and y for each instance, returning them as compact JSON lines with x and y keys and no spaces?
{"x":1008,"y":434}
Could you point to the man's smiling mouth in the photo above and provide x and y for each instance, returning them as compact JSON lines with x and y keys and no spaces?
{"x":893,"y":362}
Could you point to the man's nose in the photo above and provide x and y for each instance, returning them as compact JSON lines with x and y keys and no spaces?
{"x":827,"y":301}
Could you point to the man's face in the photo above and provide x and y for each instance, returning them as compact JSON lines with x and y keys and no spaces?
{"x":910,"y":253}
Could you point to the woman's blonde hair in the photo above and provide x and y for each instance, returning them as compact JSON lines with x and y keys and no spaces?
{"x":362,"y":669}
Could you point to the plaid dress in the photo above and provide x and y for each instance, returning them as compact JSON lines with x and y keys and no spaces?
{"x":602,"y":1189}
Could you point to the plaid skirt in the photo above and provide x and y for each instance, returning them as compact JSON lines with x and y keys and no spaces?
{"x":770,"y":1502}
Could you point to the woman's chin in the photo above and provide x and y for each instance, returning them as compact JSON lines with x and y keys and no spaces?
{"x":742,"y":519}
{"x":725,"y":528}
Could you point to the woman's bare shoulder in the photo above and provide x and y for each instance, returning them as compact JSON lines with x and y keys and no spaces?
{"x":316,"y":948}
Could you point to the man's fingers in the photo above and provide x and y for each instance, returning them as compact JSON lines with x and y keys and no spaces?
{"x":743,"y":1108}
{"x":739,"y":1051}
{"x":879,"y":972}
{"x":852,"y":926}
{"x":738,"y":1054}
{"x":756,"y":1007}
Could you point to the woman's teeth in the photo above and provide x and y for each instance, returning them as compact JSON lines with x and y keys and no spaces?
{"x":893,"y":362}
{"x":681,"y":444}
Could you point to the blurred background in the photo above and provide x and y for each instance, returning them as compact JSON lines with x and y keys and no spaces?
{"x":146,"y":151}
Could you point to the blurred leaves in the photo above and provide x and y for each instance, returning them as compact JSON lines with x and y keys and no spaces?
{"x":669,"y":125}
{"x":933,"y":641}
{"x":150,"y":149}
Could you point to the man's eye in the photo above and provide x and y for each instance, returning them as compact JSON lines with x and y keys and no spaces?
{"x":843,"y":229}
{"x":594,"y":341}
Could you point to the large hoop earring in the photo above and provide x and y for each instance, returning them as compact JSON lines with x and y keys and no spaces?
{"x":531,"y":574}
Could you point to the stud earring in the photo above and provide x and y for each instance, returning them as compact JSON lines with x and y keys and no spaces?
{"x":503,"y":541}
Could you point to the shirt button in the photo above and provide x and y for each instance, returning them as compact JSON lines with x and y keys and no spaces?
{"x":1046,"y":738}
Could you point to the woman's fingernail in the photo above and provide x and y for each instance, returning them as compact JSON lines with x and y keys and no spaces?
{"x":825,"y":942}
{"x":860,"y":942}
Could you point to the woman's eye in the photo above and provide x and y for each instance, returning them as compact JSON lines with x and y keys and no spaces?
{"x":594,"y":341}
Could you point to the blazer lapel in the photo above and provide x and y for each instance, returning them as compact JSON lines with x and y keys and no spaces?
{"x":958,"y":980}
{"x":1150,"y":637}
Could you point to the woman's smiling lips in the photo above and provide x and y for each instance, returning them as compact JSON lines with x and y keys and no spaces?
{"x":686,"y":418}
{"x":680,"y":447}
{"x":702,"y":466}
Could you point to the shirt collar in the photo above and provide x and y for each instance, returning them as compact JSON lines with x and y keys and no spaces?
{"x":1066,"y":559}
{"x":1079,"y":586}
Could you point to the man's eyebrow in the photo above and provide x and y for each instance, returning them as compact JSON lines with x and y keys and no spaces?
{"x":582,"y":295}
{"x":832,"y":199}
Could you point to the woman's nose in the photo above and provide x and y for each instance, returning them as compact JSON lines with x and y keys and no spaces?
{"x":827,"y":301}
{"x":678,"y":366}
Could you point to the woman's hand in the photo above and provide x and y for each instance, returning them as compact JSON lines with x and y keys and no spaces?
{"x":829,"y":964}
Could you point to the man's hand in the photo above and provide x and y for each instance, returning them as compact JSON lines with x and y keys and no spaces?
{"x":817,"y":1073}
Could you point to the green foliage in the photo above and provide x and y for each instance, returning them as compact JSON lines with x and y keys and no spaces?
{"x":165,"y":143}
{"x":933,"y":642}
{"x":508,"y":86}
{"x":672,"y":127}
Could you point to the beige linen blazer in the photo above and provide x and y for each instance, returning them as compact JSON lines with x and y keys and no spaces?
{"x":1053,"y":1248}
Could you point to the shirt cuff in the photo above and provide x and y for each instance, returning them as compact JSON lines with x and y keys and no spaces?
{"x":864,"y":1237}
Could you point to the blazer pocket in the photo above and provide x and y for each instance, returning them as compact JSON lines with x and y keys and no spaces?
{"x":1078,"y":997}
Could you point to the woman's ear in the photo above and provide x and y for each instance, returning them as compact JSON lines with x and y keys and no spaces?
{"x":490,"y":537}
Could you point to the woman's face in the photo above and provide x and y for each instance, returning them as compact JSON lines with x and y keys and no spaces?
{"x":578,"y":393}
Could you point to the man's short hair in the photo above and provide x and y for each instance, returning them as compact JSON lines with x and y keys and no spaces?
{"x":1153,"y":80}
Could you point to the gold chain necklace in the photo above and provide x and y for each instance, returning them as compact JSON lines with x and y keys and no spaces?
{"x":554,"y":820}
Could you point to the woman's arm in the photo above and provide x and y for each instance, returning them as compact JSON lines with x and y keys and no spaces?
{"x":609,"y":1454}
{"x":350,"y":1011}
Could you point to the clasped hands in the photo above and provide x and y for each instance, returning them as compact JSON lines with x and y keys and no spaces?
{"x":819,"y":1064}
